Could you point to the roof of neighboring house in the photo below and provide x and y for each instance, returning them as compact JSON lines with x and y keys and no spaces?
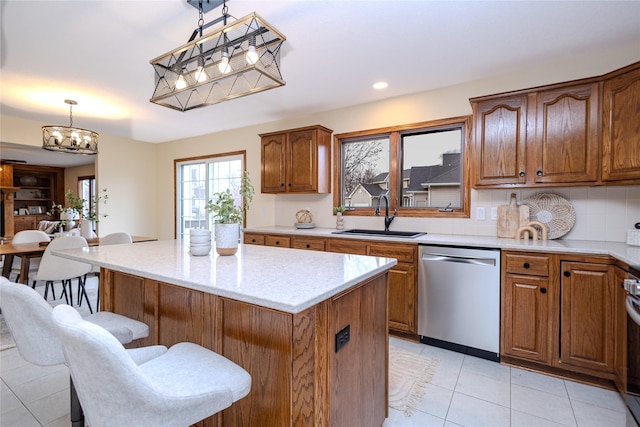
{"x":373,"y":189}
{"x":436,"y":174}
{"x":381,"y":177}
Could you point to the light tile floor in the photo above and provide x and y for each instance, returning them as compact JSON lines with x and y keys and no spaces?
{"x":464,"y":391}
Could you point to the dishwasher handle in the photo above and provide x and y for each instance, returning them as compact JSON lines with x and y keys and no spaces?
{"x":462,"y":260}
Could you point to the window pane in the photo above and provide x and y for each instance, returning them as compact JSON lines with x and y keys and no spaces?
{"x":365,"y":171}
{"x":432,"y":169}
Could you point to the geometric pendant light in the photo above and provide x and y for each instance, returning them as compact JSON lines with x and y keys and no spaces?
{"x":69,"y":139}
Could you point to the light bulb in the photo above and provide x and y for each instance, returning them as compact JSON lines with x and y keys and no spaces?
{"x":181,"y":83}
{"x":201,"y":76}
{"x":57,"y":137}
{"x":224,"y":65}
{"x":75,"y":139}
{"x":252,"y":56}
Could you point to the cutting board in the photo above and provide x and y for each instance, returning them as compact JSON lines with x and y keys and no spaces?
{"x":511,"y":217}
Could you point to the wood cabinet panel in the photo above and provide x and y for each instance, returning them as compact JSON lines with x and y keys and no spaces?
{"x":620,"y":328}
{"x":253,"y":239}
{"x":527,"y":317}
{"x":621,"y":127}
{"x":536,"y":265}
{"x":296,"y":161}
{"x":310,"y":243}
{"x":403,"y":253}
{"x":180,"y":315}
{"x":586,"y":321}
{"x":402,"y":298}
{"x":567,"y":134}
{"x":280,"y":241}
{"x":500,"y":128}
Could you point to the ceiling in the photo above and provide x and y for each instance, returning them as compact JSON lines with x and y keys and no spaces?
{"x":98,"y":52}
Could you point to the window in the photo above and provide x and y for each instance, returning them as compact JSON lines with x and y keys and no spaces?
{"x":197,"y":180}
{"x":87,"y":191}
{"x":421,"y":168}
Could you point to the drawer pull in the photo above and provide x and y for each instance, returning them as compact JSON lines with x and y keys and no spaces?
{"x":539,"y":173}
{"x":277,"y":242}
{"x":521,"y":173}
{"x":567,"y":274}
{"x":543,"y":290}
{"x":526,"y":265}
{"x":308,"y":246}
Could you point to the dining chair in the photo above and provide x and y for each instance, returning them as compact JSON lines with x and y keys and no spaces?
{"x":28,"y":318}
{"x":27,"y":236}
{"x":186,"y":384}
{"x":120,"y":237}
{"x":54,"y":268}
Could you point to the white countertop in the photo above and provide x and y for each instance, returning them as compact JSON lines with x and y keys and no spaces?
{"x":288,"y":280}
{"x":625,"y":253}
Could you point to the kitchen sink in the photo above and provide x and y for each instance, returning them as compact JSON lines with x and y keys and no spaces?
{"x":382,"y":233}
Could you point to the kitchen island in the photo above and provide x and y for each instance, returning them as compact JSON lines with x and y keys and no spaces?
{"x":310,"y":327}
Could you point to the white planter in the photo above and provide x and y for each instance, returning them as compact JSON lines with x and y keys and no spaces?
{"x":227,"y":236}
{"x":86,"y":229}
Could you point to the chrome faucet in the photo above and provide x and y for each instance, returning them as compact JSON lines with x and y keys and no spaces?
{"x":387,"y":218}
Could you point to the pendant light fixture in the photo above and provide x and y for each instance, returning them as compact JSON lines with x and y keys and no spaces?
{"x":235,"y":59}
{"x":69,"y":139}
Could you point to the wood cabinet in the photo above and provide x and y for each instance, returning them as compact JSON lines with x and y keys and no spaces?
{"x":277,"y":240}
{"x":560,"y":313}
{"x":620,"y":329}
{"x":577,"y":133}
{"x":587,"y":316}
{"x":528,"y":298}
{"x":403,"y":286}
{"x":296,"y":161}
{"x":537,"y":138}
{"x":621,"y":127}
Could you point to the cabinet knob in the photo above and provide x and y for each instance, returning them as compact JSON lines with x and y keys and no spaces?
{"x":526,"y":265}
{"x":521,"y":173}
{"x":539,"y":173}
{"x":567,"y":274}
{"x":308,"y":246}
{"x":253,"y":240}
{"x":543,"y":290}
{"x":277,"y":242}
{"x":282,"y":184}
{"x":289,"y":184}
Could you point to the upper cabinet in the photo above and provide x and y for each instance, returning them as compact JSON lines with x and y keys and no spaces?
{"x":621,"y":125}
{"x":296,"y":160}
{"x":560,"y":135}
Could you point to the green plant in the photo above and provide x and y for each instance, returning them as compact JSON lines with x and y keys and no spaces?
{"x":223,"y":204}
{"x":339,"y":209}
{"x":79,"y":205}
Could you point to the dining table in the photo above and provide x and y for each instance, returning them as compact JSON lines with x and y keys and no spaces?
{"x":26,"y":251}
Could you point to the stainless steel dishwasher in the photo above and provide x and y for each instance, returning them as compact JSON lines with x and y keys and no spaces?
{"x":459,"y":299}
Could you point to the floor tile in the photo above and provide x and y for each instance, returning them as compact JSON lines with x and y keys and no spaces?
{"x":590,"y":415}
{"x":18,"y":417}
{"x":39,"y":388}
{"x":51,"y":407}
{"x":472,"y":412}
{"x":543,"y":405}
{"x":521,"y":419}
{"x":483,"y":387}
{"x":436,"y":401}
{"x":538,"y":381}
{"x":597,"y":396}
{"x":417,"y":419}
{"x":487,"y":368}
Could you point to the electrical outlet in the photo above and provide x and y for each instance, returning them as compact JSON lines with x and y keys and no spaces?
{"x":480,"y":214}
{"x":494,"y":213}
{"x":343,"y":337}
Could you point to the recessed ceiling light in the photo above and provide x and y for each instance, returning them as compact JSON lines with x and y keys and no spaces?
{"x":380,"y":85}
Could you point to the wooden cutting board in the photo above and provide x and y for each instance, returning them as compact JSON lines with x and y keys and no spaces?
{"x":511,"y":217}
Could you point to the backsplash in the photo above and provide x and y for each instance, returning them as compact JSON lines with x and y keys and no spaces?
{"x":602,"y":213}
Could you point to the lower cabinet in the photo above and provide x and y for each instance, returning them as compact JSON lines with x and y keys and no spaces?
{"x":559,"y":311}
{"x":403,"y":287}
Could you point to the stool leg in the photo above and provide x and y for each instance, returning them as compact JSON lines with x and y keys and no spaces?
{"x":77,"y":416}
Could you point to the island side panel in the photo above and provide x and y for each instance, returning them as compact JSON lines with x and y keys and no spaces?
{"x":359,"y":369}
{"x":259,"y":340}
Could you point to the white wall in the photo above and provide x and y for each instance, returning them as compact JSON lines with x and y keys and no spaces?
{"x":594,"y":206}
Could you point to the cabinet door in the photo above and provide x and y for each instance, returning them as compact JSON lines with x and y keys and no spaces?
{"x":302,"y":161}
{"x":620,"y":344}
{"x":567,"y":135}
{"x":586,"y":320}
{"x":500,"y":132}
{"x":24,"y":223}
{"x":621,"y":132}
{"x":273,"y":163}
{"x":526,"y":317}
{"x":402,"y":298}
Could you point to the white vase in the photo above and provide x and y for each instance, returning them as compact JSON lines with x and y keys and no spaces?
{"x":86,"y":229}
{"x":339,"y":221}
{"x":227,"y":236}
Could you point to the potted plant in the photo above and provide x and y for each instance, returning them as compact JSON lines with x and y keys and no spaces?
{"x":228,"y":214}
{"x":76,"y":210}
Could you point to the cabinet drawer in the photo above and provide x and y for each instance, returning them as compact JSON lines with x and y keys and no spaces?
{"x":280,"y":241}
{"x":534,"y":265}
{"x":309,"y":243}
{"x":253,"y":239}
{"x":344,"y":246}
{"x":403,"y":253}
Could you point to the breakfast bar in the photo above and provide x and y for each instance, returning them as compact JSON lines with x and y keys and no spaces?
{"x":310,"y":327}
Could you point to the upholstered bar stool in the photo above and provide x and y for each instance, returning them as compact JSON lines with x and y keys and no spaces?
{"x":177,"y":389}
{"x":28,"y":318}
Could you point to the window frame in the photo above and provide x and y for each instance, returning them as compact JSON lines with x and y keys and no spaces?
{"x":176,"y":183}
{"x":394,"y":134}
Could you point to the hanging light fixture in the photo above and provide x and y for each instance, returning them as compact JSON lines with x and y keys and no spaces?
{"x":238,"y":58}
{"x":69,"y":139}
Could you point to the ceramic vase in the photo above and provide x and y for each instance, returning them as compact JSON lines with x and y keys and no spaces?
{"x":227,"y":237}
{"x":339,"y":221}
{"x":86,"y":229}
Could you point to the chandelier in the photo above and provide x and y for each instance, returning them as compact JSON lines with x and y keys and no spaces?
{"x":239,"y":58}
{"x":69,"y":139}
